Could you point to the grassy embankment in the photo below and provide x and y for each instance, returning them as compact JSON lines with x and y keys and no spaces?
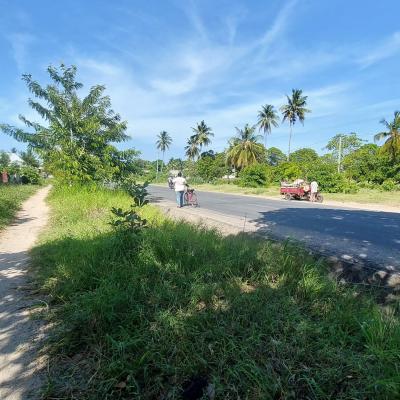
{"x":364,"y":196}
{"x":11,"y":198}
{"x":136,"y":318}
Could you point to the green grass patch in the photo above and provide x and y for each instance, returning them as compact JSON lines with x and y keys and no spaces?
{"x":138,"y":317}
{"x":11,"y":198}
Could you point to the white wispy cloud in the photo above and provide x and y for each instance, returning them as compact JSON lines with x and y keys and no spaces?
{"x":387,"y":48}
{"x":20,"y":43}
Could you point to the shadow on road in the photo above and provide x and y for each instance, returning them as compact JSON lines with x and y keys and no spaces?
{"x":366,"y":240}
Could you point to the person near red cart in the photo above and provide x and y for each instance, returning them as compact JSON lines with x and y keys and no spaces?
{"x":314,"y":190}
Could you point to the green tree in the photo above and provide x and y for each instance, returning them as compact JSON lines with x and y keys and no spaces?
{"x":245,"y":148}
{"x":202,"y":134}
{"x":210,"y":167}
{"x":76,"y":143}
{"x":29,"y":159}
{"x":347,"y":143}
{"x":392,"y":136}
{"x":255,"y":175}
{"x":163,"y":142}
{"x":304,"y":156}
{"x":274,"y":156}
{"x":192,"y":149}
{"x":369,"y":164}
{"x":267,"y":118}
{"x":294,"y":110}
{"x":4,"y":160}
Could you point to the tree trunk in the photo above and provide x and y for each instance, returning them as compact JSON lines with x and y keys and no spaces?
{"x":290,"y":140}
{"x":162,"y":165}
{"x":157,"y":165}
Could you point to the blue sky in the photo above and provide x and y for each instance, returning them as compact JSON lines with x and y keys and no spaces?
{"x":168,"y":64}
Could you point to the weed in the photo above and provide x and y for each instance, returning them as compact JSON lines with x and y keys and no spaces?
{"x":145,"y":317}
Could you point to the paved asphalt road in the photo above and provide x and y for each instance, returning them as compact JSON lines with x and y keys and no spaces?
{"x":349,"y":234}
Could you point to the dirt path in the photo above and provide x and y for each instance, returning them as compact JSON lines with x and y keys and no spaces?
{"x":19,"y":378}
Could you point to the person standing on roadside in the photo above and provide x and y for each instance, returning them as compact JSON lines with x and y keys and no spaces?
{"x":179,"y":186}
{"x":314,"y":190}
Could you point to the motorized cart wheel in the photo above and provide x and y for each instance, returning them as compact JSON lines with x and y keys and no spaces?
{"x":288,"y":196}
{"x":319,"y":198}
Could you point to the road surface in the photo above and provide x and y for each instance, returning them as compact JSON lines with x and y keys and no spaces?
{"x":369,"y":237}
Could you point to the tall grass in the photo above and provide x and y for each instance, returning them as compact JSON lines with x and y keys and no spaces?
{"x":11,"y":198}
{"x":137,"y":317}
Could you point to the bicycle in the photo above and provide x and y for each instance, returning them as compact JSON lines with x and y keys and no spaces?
{"x":190,"y":198}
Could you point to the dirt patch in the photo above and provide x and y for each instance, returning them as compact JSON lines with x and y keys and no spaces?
{"x":20,"y":335}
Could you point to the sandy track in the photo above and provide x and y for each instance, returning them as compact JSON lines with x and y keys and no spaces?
{"x":19,"y":334}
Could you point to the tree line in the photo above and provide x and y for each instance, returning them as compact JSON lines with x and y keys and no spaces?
{"x":78,"y":143}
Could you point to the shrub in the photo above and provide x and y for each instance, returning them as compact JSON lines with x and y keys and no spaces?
{"x":287,"y":171}
{"x":389,"y":185}
{"x":255,"y":175}
{"x":30,"y":175}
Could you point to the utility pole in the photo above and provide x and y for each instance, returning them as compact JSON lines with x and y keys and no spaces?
{"x":340,"y":154}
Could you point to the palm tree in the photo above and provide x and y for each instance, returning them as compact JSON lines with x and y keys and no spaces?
{"x":244,"y":148}
{"x":163,"y":142}
{"x":293,"y":110}
{"x":202,"y":134}
{"x":192,"y":150}
{"x":392,"y":135}
{"x":267,"y":118}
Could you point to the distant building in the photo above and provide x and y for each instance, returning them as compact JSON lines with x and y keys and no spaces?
{"x":15,"y":158}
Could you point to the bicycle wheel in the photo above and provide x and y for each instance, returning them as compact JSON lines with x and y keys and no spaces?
{"x":186,"y":199}
{"x":193,"y":200}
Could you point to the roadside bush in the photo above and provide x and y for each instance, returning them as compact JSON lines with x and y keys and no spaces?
{"x":367,"y":185}
{"x":389,"y":185}
{"x":255,"y":175}
{"x":288,"y":170}
{"x":30,"y":175}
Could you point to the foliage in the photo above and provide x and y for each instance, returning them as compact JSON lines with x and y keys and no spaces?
{"x":4,"y":160}
{"x":267,"y":118}
{"x":11,"y":198}
{"x":329,"y":180}
{"x":255,"y":175}
{"x":163,"y":143}
{"x":392,"y":136}
{"x":131,"y":220}
{"x":29,"y":158}
{"x":198,"y":140}
{"x":202,"y":134}
{"x":294,"y":110}
{"x":192,"y":149}
{"x":368,"y":163}
{"x":213,"y":167}
{"x":303,"y":156}
{"x":244,"y":148}
{"x":258,"y":319}
{"x":275,"y":156}
{"x":30,"y":175}
{"x":76,"y":144}
{"x":390,"y":185}
{"x":287,"y":171}
{"x":350,"y":143}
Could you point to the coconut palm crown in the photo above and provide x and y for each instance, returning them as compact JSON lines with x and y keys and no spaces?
{"x":294,"y":110}
{"x":267,"y":118}
{"x":163,"y":142}
{"x":245,"y":148}
{"x":392,"y":135}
